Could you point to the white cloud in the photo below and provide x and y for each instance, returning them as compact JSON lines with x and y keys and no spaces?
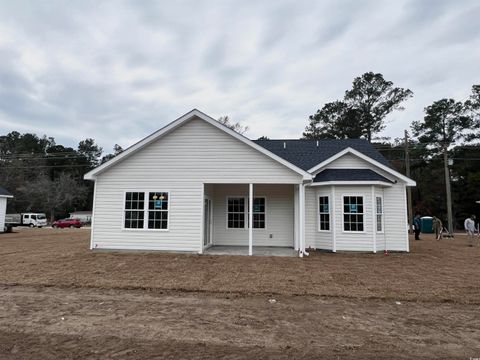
{"x":116,"y":71}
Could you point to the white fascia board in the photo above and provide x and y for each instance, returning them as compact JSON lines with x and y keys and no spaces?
{"x":178,"y":122}
{"x":316,"y":169}
{"x":6,"y":196}
{"x":351,"y":183}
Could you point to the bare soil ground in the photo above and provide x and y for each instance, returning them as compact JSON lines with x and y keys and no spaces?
{"x":60,"y":300}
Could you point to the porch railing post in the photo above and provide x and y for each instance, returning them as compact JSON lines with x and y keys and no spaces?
{"x":250,"y":219}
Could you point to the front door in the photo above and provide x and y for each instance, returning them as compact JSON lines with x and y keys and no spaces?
{"x":207,"y":226}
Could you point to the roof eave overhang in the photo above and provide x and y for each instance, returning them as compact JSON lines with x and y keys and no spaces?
{"x":352,"y":183}
{"x":91,"y":175}
{"x":317,"y":168}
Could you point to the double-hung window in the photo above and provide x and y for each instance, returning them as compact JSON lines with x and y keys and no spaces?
{"x":353,"y":213}
{"x":324,"y":213}
{"x":158,"y":210}
{"x":259,"y":213}
{"x":134,"y":210}
{"x":379,"y":213}
{"x":146,"y":210}
{"x":237,"y":212}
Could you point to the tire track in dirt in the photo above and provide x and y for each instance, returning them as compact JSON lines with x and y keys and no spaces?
{"x":139,"y":324}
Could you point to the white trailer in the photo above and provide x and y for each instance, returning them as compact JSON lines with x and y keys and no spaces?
{"x":4,"y":195}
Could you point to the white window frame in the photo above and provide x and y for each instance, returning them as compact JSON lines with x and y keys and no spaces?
{"x":246,"y":212}
{"x":265,"y":212}
{"x":146,"y":210}
{"x":381,"y":214}
{"x":245,"y":204}
{"x":344,"y":213}
{"x":329,"y":213}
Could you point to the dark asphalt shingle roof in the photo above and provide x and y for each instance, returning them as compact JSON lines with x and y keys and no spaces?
{"x":4,"y":192}
{"x":349,"y":175}
{"x":306,"y":154}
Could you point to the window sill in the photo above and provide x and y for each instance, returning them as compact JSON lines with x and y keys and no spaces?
{"x":146,"y":230}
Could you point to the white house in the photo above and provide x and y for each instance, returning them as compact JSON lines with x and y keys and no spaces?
{"x":196,"y":183}
{"x":83,"y":216}
{"x":4,"y":195}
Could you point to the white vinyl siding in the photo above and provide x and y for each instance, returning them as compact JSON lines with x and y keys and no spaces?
{"x":395,"y":234}
{"x":279,"y":207}
{"x":313,"y":237}
{"x":182,"y":161}
{"x":354,"y":240}
{"x":3,"y":210}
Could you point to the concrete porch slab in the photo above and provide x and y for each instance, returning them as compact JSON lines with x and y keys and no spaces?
{"x":257,"y":251}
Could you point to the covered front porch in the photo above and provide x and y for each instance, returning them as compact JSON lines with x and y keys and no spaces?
{"x":252,"y":219}
{"x":257,"y":251}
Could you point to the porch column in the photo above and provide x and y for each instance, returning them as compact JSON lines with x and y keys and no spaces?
{"x":301,"y":222}
{"x":295,"y":217}
{"x":250,"y":219}
{"x":334,"y":223}
{"x":374,"y":220}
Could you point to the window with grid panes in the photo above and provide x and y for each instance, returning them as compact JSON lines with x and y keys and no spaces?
{"x":259,"y":213}
{"x":353,"y":213}
{"x":379,"y":211}
{"x":158,"y":210}
{"x":324,"y":213}
{"x":134,"y":210}
{"x":236,"y":212}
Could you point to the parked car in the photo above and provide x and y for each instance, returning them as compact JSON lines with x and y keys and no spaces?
{"x":64,"y":223}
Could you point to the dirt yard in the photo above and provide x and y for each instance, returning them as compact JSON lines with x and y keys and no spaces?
{"x":60,"y":300}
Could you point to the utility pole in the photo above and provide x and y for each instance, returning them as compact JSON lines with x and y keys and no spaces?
{"x":448,"y":189}
{"x":409,"y":189}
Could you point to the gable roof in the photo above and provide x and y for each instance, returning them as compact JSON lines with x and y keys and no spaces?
{"x":179,"y":122}
{"x":349,"y":175}
{"x":313,"y":155}
{"x":4,"y":193}
{"x":308,"y":153}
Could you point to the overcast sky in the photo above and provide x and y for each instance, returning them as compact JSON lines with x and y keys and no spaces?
{"x":118,"y":70}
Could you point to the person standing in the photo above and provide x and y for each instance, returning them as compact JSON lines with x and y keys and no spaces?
{"x":437,"y":227}
{"x":469,"y":225}
{"x":416,"y":226}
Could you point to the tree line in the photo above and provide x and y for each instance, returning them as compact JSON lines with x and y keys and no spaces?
{"x":48,"y":177}
{"x":449,"y":128}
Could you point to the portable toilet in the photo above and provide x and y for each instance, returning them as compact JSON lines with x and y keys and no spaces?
{"x":426,"y":225}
